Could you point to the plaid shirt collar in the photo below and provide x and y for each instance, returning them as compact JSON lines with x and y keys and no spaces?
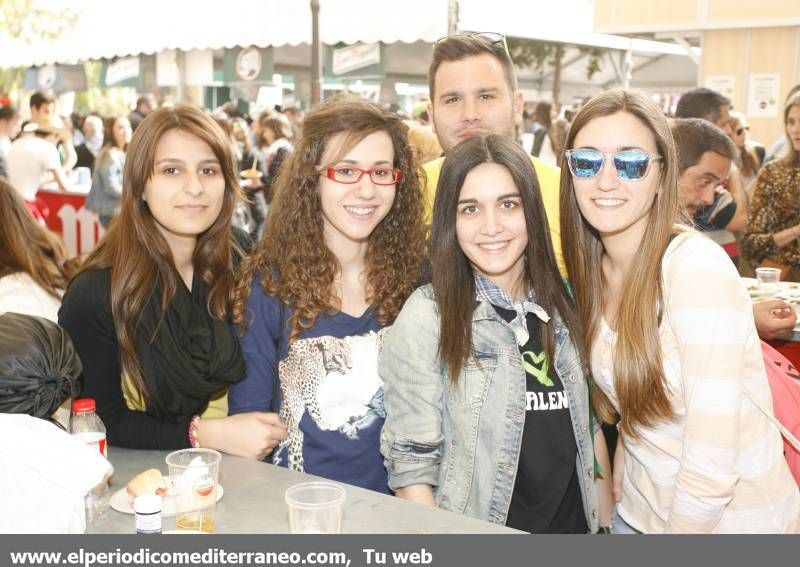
{"x":486,"y":290}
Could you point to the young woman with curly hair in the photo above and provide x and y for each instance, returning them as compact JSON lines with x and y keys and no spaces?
{"x":149,"y":311}
{"x":340,"y":255}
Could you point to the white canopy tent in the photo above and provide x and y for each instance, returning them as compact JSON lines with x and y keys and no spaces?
{"x":109,"y":28}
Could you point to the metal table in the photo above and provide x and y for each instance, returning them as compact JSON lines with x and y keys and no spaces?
{"x":253,"y":502}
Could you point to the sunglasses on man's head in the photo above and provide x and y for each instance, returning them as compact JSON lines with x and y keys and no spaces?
{"x":630,"y":165}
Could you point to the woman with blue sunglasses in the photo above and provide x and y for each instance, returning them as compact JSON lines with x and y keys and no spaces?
{"x":669,"y":330}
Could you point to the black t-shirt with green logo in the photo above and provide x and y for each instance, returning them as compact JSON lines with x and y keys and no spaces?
{"x":546,"y":497}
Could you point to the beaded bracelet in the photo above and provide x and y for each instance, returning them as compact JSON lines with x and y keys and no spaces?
{"x":194,"y":440}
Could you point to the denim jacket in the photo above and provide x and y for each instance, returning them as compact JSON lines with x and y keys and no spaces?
{"x":465,"y":440}
{"x":106,"y":192}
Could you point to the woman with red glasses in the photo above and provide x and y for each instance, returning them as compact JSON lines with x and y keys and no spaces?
{"x":341,"y":253}
{"x":669,"y":330}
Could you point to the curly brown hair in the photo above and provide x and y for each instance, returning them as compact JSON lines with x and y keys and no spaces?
{"x":295,"y":264}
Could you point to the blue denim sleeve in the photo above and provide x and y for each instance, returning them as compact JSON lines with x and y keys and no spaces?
{"x":412,"y":436}
{"x":259,"y":345}
{"x":111,"y":177}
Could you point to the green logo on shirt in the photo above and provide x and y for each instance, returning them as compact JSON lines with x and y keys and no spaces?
{"x":538,"y":372}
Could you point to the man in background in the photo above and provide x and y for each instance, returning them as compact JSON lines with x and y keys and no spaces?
{"x":705,"y":159}
{"x":729,"y":197}
{"x":145,"y":104}
{"x":473,"y":90}
{"x":10,"y":124}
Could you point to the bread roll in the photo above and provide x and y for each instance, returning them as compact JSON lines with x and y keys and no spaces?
{"x":148,"y":482}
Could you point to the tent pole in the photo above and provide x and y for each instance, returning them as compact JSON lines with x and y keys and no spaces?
{"x":316,"y":55}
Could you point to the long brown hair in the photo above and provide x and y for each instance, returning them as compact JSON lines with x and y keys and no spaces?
{"x":138,"y":255}
{"x":791,"y":156}
{"x":639,"y":380}
{"x":28,"y":247}
{"x":453,"y":283}
{"x":296,"y":265}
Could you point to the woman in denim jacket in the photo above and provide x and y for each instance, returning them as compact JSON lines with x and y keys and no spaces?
{"x":479,"y":420}
{"x":105,"y":195}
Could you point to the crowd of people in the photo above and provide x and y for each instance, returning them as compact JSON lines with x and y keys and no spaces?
{"x":451,"y":323}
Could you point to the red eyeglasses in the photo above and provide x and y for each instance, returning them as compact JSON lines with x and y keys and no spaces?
{"x":351,"y":174}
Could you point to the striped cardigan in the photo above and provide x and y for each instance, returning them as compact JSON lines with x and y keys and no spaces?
{"x":719,"y":467}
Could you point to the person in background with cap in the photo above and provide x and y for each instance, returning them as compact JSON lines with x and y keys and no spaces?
{"x":33,"y":159}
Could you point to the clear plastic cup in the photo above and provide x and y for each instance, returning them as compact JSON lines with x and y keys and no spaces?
{"x":194,"y":481}
{"x":768,"y":278}
{"x":315,"y":508}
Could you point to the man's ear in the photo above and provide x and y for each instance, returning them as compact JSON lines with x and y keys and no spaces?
{"x":519,"y":103}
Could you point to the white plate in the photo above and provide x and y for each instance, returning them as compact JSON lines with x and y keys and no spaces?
{"x":121,"y":501}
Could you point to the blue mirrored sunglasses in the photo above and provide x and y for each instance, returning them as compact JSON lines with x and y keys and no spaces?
{"x":630,"y":165}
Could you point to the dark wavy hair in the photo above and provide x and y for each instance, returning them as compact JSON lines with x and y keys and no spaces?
{"x":295,"y":264}
{"x":453,"y":282}
{"x":138,"y":255}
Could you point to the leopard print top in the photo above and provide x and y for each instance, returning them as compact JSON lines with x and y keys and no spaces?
{"x":775,"y":207}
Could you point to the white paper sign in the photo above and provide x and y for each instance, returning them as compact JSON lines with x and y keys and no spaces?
{"x":723,"y":84}
{"x":199,"y":67}
{"x":166,"y":68}
{"x":269,"y":96}
{"x":762,"y":99}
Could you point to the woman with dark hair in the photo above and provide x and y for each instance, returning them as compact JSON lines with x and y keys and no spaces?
{"x":341,"y":253}
{"x":33,"y":274}
{"x":106,"y":192}
{"x":487,"y":404}
{"x":674,"y":353}
{"x":148,"y":312}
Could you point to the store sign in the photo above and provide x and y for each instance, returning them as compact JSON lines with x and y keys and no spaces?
{"x":46,"y":77}
{"x":58,"y":78}
{"x":138,"y":72}
{"x":352,"y":57}
{"x":248,"y":64}
{"x":121,"y":70}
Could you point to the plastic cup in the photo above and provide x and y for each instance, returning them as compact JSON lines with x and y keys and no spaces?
{"x":193,"y":479}
{"x":315,"y":508}
{"x":768,"y":278}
